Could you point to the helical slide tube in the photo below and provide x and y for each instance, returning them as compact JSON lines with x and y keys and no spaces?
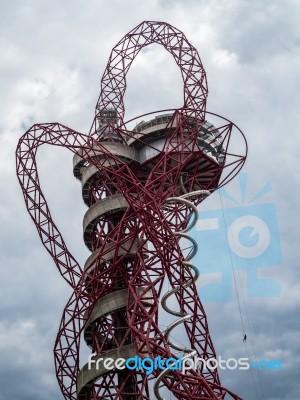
{"x":182,"y":316}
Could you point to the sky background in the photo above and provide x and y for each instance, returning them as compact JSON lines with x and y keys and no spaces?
{"x":52,"y":57}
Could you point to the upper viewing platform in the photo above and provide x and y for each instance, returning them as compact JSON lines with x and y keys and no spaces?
{"x":155,"y":131}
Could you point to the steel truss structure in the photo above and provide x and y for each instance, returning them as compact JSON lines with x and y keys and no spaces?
{"x":141,"y":188}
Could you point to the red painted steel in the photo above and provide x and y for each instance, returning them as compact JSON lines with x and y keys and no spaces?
{"x":134,"y":247}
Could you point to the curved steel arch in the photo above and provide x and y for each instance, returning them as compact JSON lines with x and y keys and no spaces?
{"x":113,"y":82}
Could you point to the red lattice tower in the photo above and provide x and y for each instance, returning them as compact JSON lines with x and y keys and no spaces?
{"x":141,"y":187}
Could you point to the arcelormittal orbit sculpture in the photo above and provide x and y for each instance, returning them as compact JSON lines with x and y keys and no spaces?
{"x":141,"y":187}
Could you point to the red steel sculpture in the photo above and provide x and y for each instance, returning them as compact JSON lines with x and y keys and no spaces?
{"x":141,"y":187}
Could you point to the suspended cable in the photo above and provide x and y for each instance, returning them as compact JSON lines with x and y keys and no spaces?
{"x":249,"y":324}
{"x":238,"y":296}
{"x":232,"y":267}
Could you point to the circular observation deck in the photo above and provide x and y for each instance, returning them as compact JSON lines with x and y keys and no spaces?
{"x":198,"y":147}
{"x":149,"y":138}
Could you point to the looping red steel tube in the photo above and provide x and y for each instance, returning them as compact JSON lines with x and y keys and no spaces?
{"x":133,"y":231}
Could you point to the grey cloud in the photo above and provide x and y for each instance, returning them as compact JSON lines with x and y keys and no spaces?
{"x":52,"y":58}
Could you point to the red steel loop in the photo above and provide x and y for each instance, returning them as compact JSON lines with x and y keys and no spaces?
{"x":113,"y":83}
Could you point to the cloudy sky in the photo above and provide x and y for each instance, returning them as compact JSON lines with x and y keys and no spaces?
{"x":53,"y":55}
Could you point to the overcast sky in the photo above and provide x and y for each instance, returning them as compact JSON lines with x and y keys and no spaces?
{"x":52,"y":57}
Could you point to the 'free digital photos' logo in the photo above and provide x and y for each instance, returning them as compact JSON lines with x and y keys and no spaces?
{"x":244,"y":236}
